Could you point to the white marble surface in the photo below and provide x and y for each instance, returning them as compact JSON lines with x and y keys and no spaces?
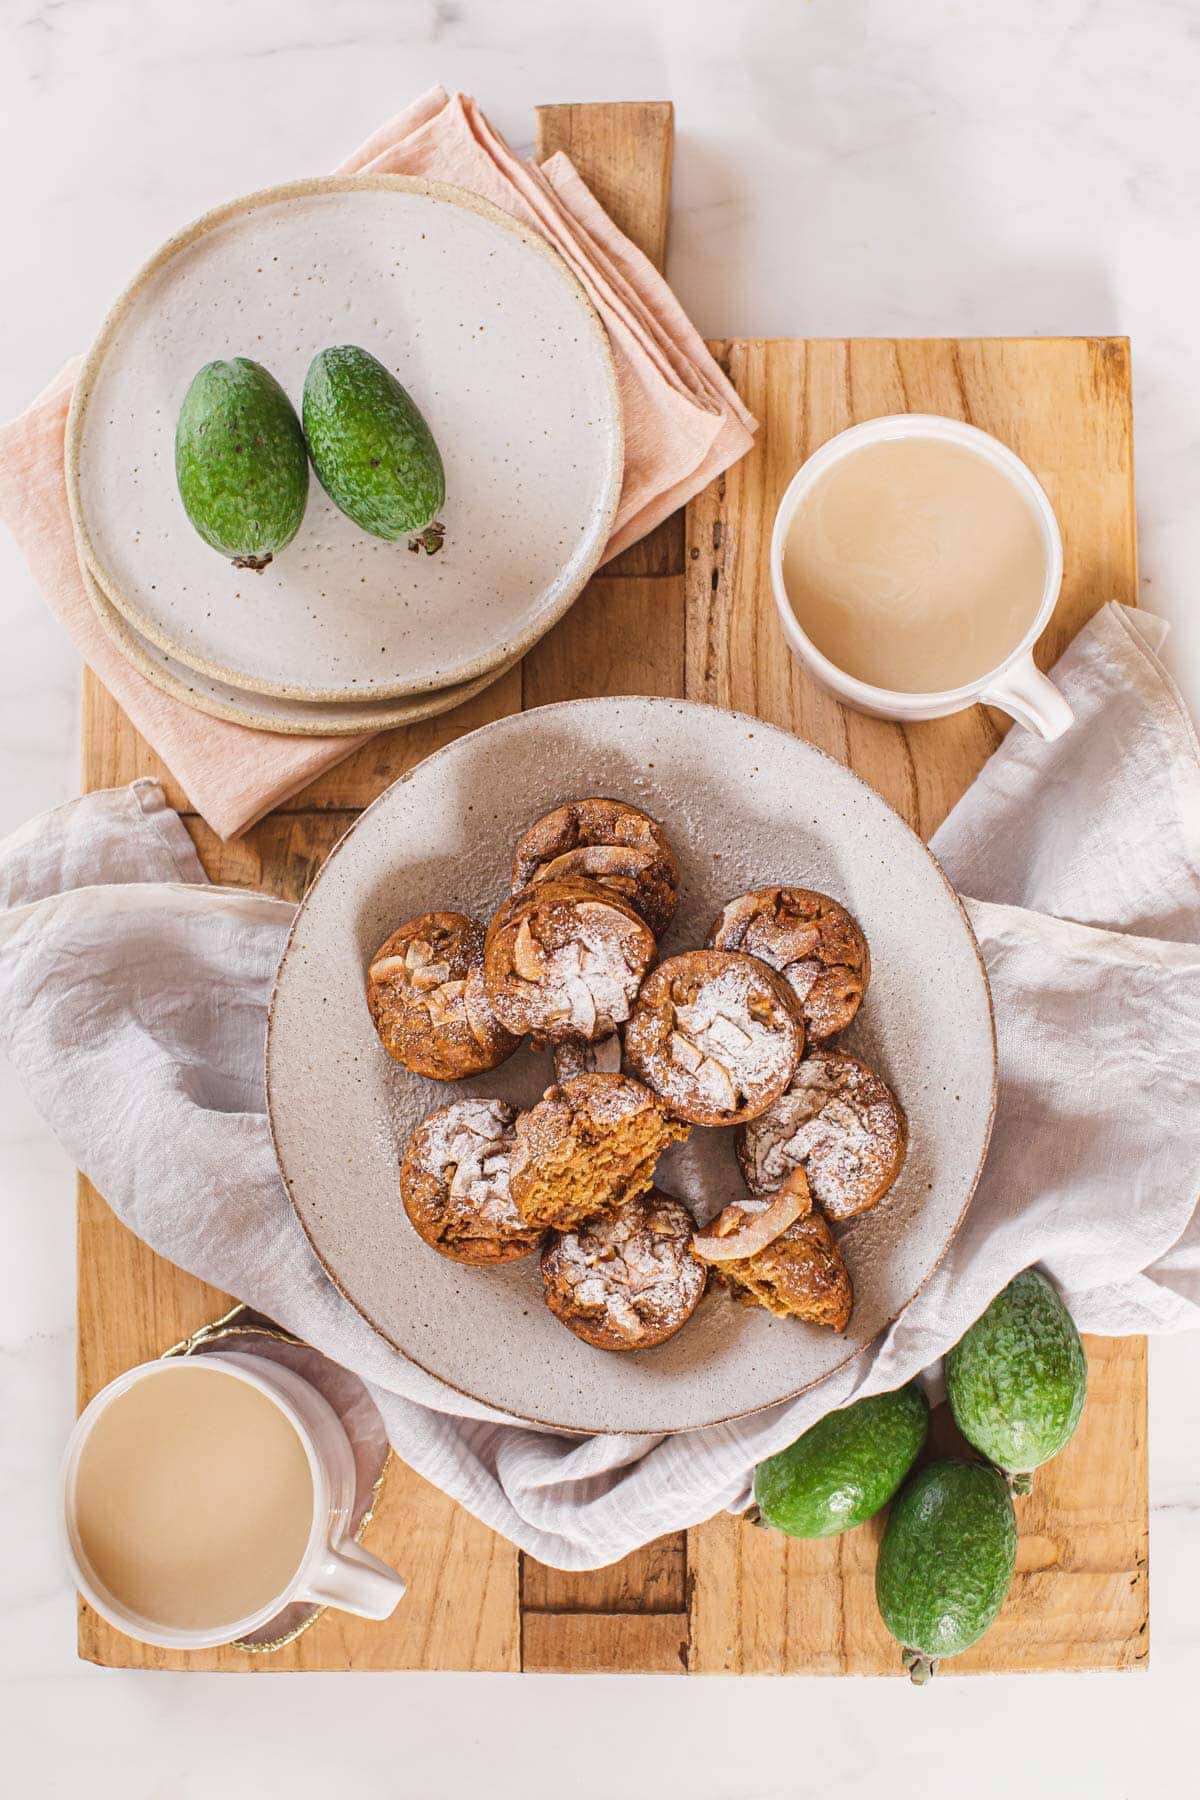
{"x":843,"y":166}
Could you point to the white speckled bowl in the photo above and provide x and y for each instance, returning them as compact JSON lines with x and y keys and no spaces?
{"x":744,"y":804}
{"x":502,"y":351}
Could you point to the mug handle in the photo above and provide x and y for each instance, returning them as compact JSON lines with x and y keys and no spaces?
{"x":1031,"y":699}
{"x":350,"y":1578}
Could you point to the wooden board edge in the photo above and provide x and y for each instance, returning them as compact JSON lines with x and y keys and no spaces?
{"x":624,"y":151}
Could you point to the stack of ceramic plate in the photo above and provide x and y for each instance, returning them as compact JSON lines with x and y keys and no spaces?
{"x":344,"y":632}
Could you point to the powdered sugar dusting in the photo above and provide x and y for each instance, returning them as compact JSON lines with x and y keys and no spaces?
{"x":727,"y":1048}
{"x":721,"y":1024}
{"x":608,"y":1102}
{"x":468,"y":1146}
{"x":590,"y":980}
{"x":633,"y":1273}
{"x":808,"y":938}
{"x":839,"y":1123}
{"x":577,"y":961}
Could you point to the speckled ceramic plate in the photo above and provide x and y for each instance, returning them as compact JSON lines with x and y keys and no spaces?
{"x":502,"y":351}
{"x":271,"y":712}
{"x":744,"y":804}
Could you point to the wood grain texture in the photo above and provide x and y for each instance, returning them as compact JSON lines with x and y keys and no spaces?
{"x":623,"y":150}
{"x":604,"y":1643}
{"x":689,"y":610}
{"x":622,"y":636}
{"x":1080,"y":1599}
{"x":281,"y":854}
{"x":653,"y":1579}
{"x":764,"y":1604}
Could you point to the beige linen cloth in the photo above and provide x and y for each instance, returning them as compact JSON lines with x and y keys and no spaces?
{"x":683,"y":424}
{"x":133,"y":998}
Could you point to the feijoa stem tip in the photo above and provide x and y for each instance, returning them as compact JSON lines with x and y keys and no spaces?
{"x":1020,"y":1482}
{"x":430,"y":540}
{"x":257,"y":563}
{"x":921,"y":1668}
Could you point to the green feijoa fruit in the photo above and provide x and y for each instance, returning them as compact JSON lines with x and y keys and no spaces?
{"x":240,"y":462}
{"x":372,"y":450}
{"x":1018,"y":1380}
{"x":946,"y":1561}
{"x":845,"y":1467}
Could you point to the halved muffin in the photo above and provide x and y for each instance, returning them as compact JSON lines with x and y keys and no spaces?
{"x":587,"y":1148}
{"x":779,"y":1253}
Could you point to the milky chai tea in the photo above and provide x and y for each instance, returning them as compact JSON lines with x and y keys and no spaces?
{"x":193,"y":1499}
{"x":915,"y":564}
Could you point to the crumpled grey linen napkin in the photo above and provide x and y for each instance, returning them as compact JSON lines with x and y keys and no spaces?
{"x":133,"y":1001}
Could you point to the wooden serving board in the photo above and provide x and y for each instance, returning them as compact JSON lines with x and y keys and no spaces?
{"x":688,"y":612}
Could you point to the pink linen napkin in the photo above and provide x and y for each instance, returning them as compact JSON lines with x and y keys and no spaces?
{"x":684,"y":424}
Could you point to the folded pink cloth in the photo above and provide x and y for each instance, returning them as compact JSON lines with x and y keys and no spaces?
{"x":684,"y":424}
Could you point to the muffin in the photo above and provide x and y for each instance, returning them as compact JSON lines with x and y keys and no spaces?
{"x":609,"y":842}
{"x":716,"y":1034}
{"x":587,"y":1148}
{"x":815,"y":944}
{"x":627,"y":1280}
{"x":839,"y":1123}
{"x":795,"y":1272}
{"x":454,"y":1182}
{"x":426,"y":995}
{"x":565,"y":959}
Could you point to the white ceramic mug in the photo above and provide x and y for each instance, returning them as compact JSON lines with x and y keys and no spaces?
{"x":334,"y":1570}
{"x":1016,"y":684}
